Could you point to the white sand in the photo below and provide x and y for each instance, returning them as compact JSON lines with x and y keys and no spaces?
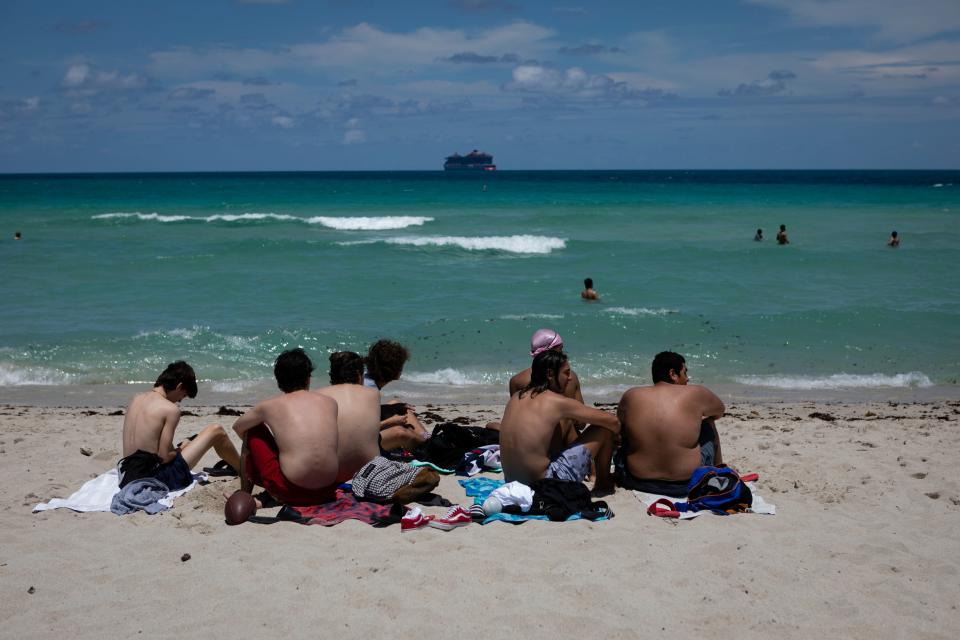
{"x":866,"y":544}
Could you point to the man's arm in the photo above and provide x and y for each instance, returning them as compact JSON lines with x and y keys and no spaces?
{"x":588,"y":415}
{"x":165,"y":449}
{"x":248,"y":421}
{"x":711,"y":405}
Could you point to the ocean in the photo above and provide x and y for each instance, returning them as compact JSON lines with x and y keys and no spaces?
{"x":119,"y":274}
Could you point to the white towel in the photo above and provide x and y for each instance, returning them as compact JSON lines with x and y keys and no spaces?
{"x":759,"y":504}
{"x":96,"y":494}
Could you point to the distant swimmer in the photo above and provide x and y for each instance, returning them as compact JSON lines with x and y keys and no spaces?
{"x":782,"y":235}
{"x":17,"y":235}
{"x":759,"y":236}
{"x":588,"y":293}
{"x":894,"y":240}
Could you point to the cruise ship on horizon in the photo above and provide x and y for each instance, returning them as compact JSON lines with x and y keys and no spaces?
{"x":473,"y":161}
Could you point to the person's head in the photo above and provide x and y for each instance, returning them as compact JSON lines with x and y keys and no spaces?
{"x":669,"y":367}
{"x":385,"y":361}
{"x":545,"y":340}
{"x":292,"y":370}
{"x":17,"y":235}
{"x":346,"y":367}
{"x":783,"y":227}
{"x":588,"y":283}
{"x":759,"y":232}
{"x":893,"y":235}
{"x":178,"y":376}
{"x":551,"y":371}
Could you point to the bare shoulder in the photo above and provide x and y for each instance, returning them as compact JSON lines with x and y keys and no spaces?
{"x":633,"y":393}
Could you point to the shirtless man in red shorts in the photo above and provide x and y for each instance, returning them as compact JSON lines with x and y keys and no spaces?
{"x":290,"y":440}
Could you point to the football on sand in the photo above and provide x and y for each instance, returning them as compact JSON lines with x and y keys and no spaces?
{"x":239,"y":507}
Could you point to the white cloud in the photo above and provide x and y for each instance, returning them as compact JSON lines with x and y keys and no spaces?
{"x":893,"y":20}
{"x":284,"y":122}
{"x":363,"y":46}
{"x":76,"y":75}
{"x":82,"y":78}
{"x":576,"y":83}
{"x":30,"y":104}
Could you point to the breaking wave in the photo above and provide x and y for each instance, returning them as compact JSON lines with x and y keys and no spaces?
{"x":11,"y":376}
{"x":510,"y":244}
{"x":361,"y":223}
{"x":839,"y":381}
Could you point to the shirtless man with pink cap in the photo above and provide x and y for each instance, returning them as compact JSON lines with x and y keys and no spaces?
{"x":549,"y":340}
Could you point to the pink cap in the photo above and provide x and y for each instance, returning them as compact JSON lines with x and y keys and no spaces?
{"x":544,"y":340}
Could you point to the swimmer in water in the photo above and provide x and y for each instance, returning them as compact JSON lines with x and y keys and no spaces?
{"x":588,"y":293}
{"x":759,"y":236}
{"x":782,"y":235}
{"x":894,"y":240}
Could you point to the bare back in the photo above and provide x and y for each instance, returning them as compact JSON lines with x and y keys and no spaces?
{"x":358,"y":425}
{"x":528,"y":428}
{"x":661,"y":427}
{"x":304,"y":424}
{"x":148,"y":425}
{"x":567,"y":429}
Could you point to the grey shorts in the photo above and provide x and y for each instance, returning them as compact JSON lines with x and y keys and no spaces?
{"x":571,"y":464}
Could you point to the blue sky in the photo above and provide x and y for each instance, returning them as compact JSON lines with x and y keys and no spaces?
{"x":326,"y":85}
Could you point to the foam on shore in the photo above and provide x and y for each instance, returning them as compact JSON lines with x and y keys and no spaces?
{"x":839,"y":381}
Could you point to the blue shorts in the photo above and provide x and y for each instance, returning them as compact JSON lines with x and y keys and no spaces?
{"x":573,"y":464}
{"x":175,"y":474}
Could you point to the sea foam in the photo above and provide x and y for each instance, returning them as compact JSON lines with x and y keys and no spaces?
{"x":839,"y":381}
{"x":370,"y":224}
{"x":12,"y":376}
{"x":339,"y":223}
{"x":640,"y":311}
{"x":509,"y":244}
{"x":448,"y":376}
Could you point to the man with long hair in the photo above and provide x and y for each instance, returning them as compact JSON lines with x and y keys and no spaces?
{"x":531,"y":445}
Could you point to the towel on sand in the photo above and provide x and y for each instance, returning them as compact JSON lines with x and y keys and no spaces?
{"x":759,"y":504}
{"x":480,"y":488}
{"x":97,"y":494}
{"x":345,"y":507}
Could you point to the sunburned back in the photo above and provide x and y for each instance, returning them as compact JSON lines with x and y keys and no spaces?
{"x":661,"y":425}
{"x":143,"y":422}
{"x":358,"y":424}
{"x":304,"y":425}
{"x":525,"y":435}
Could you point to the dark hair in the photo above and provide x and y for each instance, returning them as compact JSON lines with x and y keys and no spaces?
{"x":385,"y":361}
{"x":345,"y":367}
{"x":759,"y":232}
{"x":181,"y":373}
{"x":292,"y":370}
{"x":544,"y":363}
{"x":665,"y":362}
{"x":783,"y":227}
{"x":894,"y":234}
{"x":588,"y":283}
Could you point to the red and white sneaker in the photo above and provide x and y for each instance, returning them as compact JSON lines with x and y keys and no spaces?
{"x":413,"y":520}
{"x":456,"y":516}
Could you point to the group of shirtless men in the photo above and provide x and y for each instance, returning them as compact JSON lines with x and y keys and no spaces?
{"x":300,"y":445}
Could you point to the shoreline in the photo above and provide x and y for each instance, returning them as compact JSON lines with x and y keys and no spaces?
{"x":81,"y":395}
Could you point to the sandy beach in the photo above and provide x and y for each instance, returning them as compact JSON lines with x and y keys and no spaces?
{"x":865,"y":544}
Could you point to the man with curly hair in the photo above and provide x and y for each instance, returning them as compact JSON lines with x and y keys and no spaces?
{"x":398,"y":423}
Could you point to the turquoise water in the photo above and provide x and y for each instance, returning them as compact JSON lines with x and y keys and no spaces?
{"x":119,"y":274}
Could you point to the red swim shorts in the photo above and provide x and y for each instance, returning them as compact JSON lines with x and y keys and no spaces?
{"x":263,"y":469}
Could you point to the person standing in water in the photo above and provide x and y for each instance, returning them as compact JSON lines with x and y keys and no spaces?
{"x":894,"y":240}
{"x":782,"y":235}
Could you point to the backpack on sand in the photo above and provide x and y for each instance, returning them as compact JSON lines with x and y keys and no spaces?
{"x":718,"y":489}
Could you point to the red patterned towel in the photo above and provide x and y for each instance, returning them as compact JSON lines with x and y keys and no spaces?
{"x":345,"y":507}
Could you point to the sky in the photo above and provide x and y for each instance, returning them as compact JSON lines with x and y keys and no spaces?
{"x":247,"y":85}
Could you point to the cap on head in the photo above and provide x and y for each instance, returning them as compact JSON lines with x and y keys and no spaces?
{"x":544,"y":340}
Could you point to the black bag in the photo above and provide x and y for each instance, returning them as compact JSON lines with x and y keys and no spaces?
{"x":450,"y":441}
{"x":560,"y":499}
